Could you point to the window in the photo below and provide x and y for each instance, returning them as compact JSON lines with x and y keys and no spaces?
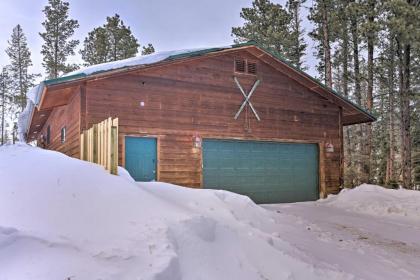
{"x":48,"y":135}
{"x":245,"y":66}
{"x":63,"y":134}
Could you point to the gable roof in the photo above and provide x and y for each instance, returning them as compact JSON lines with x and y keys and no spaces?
{"x":35,"y":95}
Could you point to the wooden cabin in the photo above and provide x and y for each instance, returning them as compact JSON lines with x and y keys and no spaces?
{"x":237,"y":118}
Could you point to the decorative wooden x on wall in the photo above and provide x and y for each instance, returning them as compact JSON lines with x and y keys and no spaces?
{"x":247,"y":98}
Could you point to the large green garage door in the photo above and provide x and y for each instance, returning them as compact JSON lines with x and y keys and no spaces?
{"x":267,"y":172}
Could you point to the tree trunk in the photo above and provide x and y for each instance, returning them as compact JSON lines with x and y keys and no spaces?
{"x":297,"y":26}
{"x":22,"y":94}
{"x":358,"y":95}
{"x":404,"y":87}
{"x":405,"y":119}
{"x":345,"y":78}
{"x":55,"y":66}
{"x":390,"y":167}
{"x":369,"y":97}
{"x":355,"y":39}
{"x":3,"y":105}
{"x":326,"y":46}
{"x":390,"y":173}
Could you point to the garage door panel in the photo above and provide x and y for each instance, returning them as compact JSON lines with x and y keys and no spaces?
{"x":268,"y":172}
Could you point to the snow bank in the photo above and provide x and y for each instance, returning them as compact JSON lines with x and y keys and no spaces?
{"x":64,"y":218}
{"x":378,"y":201}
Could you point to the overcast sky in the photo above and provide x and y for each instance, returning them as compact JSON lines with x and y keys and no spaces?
{"x":168,"y":25}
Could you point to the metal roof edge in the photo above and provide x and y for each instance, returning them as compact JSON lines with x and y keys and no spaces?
{"x":64,"y":79}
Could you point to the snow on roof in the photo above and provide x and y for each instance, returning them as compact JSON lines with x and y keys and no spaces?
{"x":24,"y":119}
{"x":133,"y":61}
{"x":32,"y":99}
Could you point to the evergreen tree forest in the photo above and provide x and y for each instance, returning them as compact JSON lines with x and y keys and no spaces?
{"x":366,"y":50}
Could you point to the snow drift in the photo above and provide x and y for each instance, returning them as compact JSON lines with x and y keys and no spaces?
{"x":378,"y":201}
{"x":64,"y":218}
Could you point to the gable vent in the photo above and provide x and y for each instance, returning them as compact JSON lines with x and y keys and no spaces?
{"x":240,"y":65}
{"x":245,"y":66}
{"x":252,"y":68}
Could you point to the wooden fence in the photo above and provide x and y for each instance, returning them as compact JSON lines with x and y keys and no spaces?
{"x":99,"y":144}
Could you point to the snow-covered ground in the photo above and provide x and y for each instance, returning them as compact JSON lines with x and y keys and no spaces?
{"x":61,"y":218}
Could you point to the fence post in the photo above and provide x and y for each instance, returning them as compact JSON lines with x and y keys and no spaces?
{"x":95,"y":143}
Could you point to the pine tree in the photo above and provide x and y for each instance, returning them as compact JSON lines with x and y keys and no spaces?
{"x":297,"y":46}
{"x":321,"y":14}
{"x":20,"y":60}
{"x":268,"y":24}
{"x":381,"y":75}
{"x":416,"y":118}
{"x":123,"y":44}
{"x":386,"y":85}
{"x":57,"y":45}
{"x":110,"y":42}
{"x":148,"y":50}
{"x":5,"y":101}
{"x":407,"y":35}
{"x":95,"y":47}
{"x":355,"y":13}
{"x":382,"y":164}
{"x":416,"y":140}
{"x":342,"y":61}
{"x":370,"y":26}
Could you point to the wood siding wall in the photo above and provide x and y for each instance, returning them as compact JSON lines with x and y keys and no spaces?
{"x":65,"y":116}
{"x":200,"y":97}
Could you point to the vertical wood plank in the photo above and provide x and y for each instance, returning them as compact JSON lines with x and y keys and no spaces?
{"x":99,"y":144}
{"x":82,"y":147}
{"x":83,"y":107}
{"x":85,"y":138}
{"x":114,"y":151}
{"x":95,"y":143}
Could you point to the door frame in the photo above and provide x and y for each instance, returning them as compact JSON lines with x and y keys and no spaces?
{"x":320,"y":149}
{"x":157,"y":137}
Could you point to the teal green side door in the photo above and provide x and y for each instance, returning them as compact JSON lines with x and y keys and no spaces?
{"x":140,"y":158}
{"x":267,"y":172}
